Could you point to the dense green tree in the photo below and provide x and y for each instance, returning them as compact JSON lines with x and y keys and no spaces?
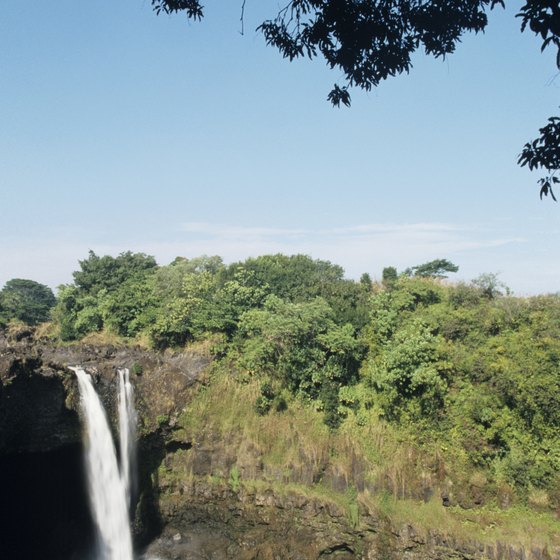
{"x":26,"y":300}
{"x":130,"y":307}
{"x":235,"y":297}
{"x":107,"y":292}
{"x":300,"y":278}
{"x":389,"y":277}
{"x":76,"y":314}
{"x":295,"y":277}
{"x":300,"y":345}
{"x":366,"y":281}
{"x":175,"y":284}
{"x":410,"y":372}
{"x":463,"y":295}
{"x":188,"y":315}
{"x":198,"y":300}
{"x":64,"y":313}
{"x":168,"y":282}
{"x":205,"y":263}
{"x":98,"y":273}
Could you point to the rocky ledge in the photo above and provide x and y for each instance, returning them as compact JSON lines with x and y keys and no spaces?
{"x":38,"y":391}
{"x":215,"y":521}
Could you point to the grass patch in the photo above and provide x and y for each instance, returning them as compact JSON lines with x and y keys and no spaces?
{"x":519,"y":526}
{"x":234,"y":479}
{"x":293,"y":451}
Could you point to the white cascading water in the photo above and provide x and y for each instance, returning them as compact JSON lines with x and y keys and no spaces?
{"x":107,"y":487}
{"x":127,"y":433}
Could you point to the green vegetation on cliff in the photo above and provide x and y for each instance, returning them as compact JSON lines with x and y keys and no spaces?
{"x":468,"y":379}
{"x":361,"y":470}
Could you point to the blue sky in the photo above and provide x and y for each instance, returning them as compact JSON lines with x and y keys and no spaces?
{"x":122,"y":130}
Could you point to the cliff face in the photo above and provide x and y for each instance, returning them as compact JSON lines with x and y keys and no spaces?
{"x":39,"y":393}
{"x":44,"y":490}
{"x":216,"y":521}
{"x":34,"y":416}
{"x":203,"y":492}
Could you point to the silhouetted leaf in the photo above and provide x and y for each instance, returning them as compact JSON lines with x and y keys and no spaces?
{"x":339,"y":95}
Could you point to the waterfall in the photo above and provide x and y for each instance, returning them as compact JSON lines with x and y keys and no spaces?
{"x":127,"y":433}
{"x":108,"y":491}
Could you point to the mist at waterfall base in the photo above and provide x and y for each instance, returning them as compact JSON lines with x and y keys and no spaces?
{"x":110,"y":485}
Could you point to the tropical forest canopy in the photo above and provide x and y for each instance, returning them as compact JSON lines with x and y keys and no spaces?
{"x":458,"y":366}
{"x":368,"y":41}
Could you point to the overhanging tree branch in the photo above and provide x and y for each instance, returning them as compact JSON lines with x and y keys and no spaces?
{"x":372,"y":40}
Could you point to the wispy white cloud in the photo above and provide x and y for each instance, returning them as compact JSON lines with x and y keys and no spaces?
{"x":223,"y":230}
{"x":358,"y":248}
{"x":226,"y":230}
{"x":395,"y":238}
{"x":392,"y":228}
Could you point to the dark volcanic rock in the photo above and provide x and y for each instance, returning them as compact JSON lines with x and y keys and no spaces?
{"x":39,"y":395}
{"x":40,"y":423}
